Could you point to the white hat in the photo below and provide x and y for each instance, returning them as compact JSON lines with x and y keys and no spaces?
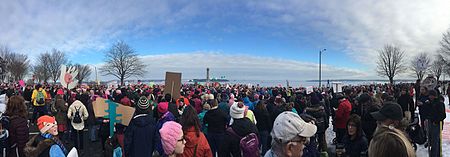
{"x":237,"y":110}
{"x":288,"y":125}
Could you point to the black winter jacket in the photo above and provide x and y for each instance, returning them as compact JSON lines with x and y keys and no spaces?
{"x":216,"y":120}
{"x":140,"y":136}
{"x":263,"y":118}
{"x":230,"y":145}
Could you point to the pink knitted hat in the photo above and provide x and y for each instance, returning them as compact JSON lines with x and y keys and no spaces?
{"x":163,"y":107}
{"x":170,"y":134}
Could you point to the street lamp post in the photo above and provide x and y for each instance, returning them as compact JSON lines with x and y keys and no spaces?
{"x":320,"y":67}
{"x":96,"y":74}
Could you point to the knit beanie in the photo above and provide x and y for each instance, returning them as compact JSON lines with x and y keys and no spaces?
{"x":143,"y":103}
{"x":45,"y":123}
{"x":60,"y":92}
{"x":237,"y":110}
{"x":170,"y":134}
{"x":163,"y":107}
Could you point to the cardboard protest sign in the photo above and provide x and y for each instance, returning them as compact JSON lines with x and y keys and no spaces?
{"x":68,"y":76}
{"x":173,"y":84}
{"x":117,"y":113}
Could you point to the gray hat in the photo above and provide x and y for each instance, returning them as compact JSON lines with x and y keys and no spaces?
{"x":288,"y":125}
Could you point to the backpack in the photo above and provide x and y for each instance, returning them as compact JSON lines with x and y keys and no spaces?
{"x":77,"y":117}
{"x":40,"y":99}
{"x":249,"y":144}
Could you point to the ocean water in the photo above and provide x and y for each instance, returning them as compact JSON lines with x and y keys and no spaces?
{"x":283,"y":83}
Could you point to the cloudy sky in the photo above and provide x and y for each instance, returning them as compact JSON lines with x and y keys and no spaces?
{"x":267,"y":40}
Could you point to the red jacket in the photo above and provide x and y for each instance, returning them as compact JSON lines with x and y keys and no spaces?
{"x":203,"y":149}
{"x":343,"y":114}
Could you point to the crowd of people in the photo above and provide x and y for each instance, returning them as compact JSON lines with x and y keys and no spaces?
{"x":228,"y":120}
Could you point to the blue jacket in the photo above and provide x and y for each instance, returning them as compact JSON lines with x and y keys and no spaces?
{"x":140,"y":136}
{"x":248,"y":103}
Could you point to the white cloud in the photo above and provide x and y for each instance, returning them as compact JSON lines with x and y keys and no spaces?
{"x":239,"y":67}
{"x":37,"y":26}
{"x":360,"y":28}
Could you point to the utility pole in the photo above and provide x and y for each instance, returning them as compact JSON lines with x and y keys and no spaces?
{"x":320,"y":67}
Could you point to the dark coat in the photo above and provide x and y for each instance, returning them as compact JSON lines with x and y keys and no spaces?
{"x":230,"y":145}
{"x":61,"y":116}
{"x":354,"y":148}
{"x":140,"y":136}
{"x":437,"y":111}
{"x":216,"y":120}
{"x":263,"y":118}
{"x":368,"y":123}
{"x":18,"y":134}
{"x":406,"y":102}
{"x":38,"y":147}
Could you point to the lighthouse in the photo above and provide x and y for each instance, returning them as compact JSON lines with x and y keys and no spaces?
{"x":207,"y":76}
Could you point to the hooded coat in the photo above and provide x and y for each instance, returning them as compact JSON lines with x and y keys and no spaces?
{"x":343,"y":114}
{"x":83,"y":114}
{"x":140,"y":136}
{"x":198,"y":145}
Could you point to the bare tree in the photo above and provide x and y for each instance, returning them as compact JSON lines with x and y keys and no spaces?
{"x":57,"y":58}
{"x":5,"y":55}
{"x":438,"y":66}
{"x":420,"y":65}
{"x":18,"y":65}
{"x":15,"y":65}
{"x":42,"y":69}
{"x":84,"y":71}
{"x":122,"y":62}
{"x":40,"y":73}
{"x":390,"y":62}
{"x":445,"y":44}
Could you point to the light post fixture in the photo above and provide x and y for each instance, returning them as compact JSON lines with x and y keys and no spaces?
{"x":96,"y":74}
{"x":320,"y":67}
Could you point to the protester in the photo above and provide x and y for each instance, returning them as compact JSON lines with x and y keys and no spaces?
{"x":61,"y":116}
{"x":317,"y":110}
{"x":216,"y":121}
{"x":263,"y":125}
{"x":18,"y":128}
{"x":407,"y":104}
{"x":240,"y":127}
{"x":342,"y":115}
{"x":390,"y":142}
{"x":47,"y":143}
{"x":289,"y":135}
{"x":355,"y":141}
{"x":77,"y":114}
{"x":389,"y":115}
{"x":196,"y":142}
{"x":201,"y":115}
{"x":141,"y":134}
{"x":38,"y":98}
{"x":165,"y":116}
{"x":435,"y":122}
{"x":368,"y":123}
{"x":172,"y":139}
{"x":423,"y":99}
